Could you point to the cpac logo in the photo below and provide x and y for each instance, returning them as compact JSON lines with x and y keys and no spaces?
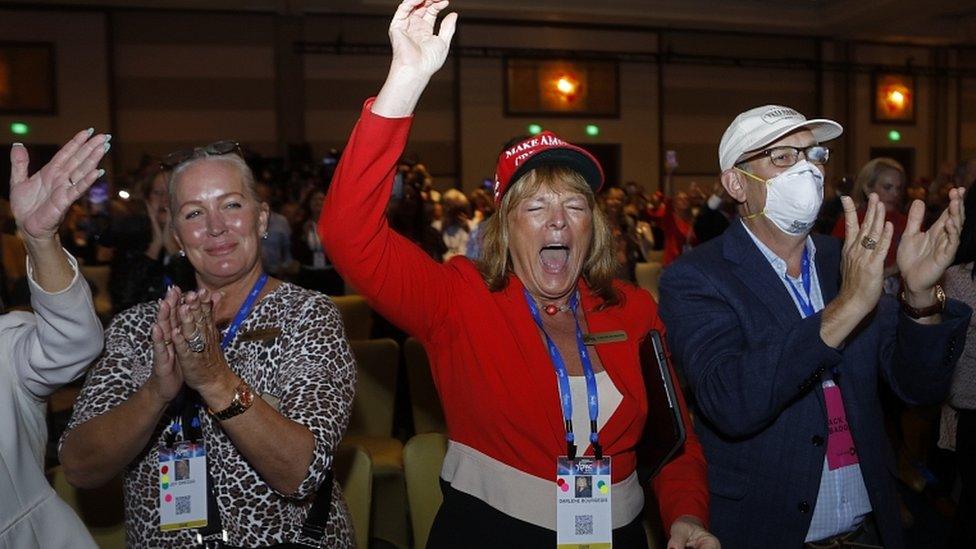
{"x":584,"y":467}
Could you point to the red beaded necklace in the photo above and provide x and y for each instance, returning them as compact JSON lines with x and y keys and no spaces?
{"x":552,"y":309}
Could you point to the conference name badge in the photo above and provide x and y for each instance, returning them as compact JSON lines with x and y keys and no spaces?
{"x":599,"y":338}
{"x":182,"y":486}
{"x":583,"y":518}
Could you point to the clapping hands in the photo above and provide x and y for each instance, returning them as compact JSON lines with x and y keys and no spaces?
{"x":186,"y":345}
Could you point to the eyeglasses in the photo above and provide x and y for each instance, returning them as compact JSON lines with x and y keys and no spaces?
{"x":785,"y":156}
{"x":218,"y":148}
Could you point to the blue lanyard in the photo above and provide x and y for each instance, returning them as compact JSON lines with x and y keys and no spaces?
{"x":562,"y":375}
{"x":806,"y":302}
{"x":243,"y":311}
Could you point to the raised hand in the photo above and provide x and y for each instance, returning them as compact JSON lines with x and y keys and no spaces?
{"x":39,"y":203}
{"x":415,"y":46}
{"x":863,"y":255}
{"x":924,"y":256}
{"x":417,"y":54}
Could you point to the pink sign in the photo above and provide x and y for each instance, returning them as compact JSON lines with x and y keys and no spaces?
{"x":840,"y":444}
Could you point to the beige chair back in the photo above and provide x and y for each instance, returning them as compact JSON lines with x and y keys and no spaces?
{"x":654,"y":256}
{"x":648,"y":277}
{"x":100,"y":509}
{"x":357,"y":317}
{"x":423,"y":456}
{"x":372,"y":408}
{"x":354,"y":473}
{"x":425,"y":404}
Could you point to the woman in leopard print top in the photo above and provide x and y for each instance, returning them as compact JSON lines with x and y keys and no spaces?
{"x":266,"y":462}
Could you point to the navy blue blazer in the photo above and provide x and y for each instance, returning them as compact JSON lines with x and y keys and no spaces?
{"x":754,"y":368}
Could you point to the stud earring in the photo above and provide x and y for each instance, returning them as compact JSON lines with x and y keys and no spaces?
{"x":182,"y":253}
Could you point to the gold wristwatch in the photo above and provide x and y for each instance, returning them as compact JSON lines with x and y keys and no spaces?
{"x":243,"y":398}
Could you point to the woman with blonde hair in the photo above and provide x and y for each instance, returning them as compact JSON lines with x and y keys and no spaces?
{"x":886,"y":178}
{"x":504,"y":336}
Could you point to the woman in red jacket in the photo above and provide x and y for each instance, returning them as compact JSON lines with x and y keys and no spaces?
{"x":497,"y":331}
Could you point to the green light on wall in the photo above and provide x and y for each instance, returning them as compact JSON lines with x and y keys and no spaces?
{"x":894,"y":136}
{"x":19,"y":128}
{"x":592,"y":130}
{"x":534,"y":129}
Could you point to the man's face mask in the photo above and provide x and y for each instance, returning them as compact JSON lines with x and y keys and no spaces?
{"x":793,"y":198}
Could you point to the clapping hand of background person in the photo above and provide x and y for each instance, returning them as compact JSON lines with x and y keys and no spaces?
{"x":162,"y":235}
{"x":41,"y":201}
{"x":923,"y":256}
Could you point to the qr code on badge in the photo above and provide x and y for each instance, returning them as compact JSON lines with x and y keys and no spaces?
{"x":182,"y":505}
{"x":584,"y":525}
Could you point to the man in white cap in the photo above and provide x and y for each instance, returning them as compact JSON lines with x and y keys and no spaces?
{"x":783,"y":337}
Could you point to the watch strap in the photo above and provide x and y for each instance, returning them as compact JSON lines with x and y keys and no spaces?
{"x":934,"y":309}
{"x":243,"y":399}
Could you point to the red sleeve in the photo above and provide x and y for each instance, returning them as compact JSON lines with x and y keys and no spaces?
{"x":682,"y":485}
{"x":840,"y":228}
{"x":398,"y":279}
{"x":660,"y":211}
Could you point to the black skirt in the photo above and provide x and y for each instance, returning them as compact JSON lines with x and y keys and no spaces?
{"x":466,"y":521}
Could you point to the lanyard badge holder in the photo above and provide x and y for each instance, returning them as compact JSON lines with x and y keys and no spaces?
{"x":186,"y":497}
{"x":583,"y":517}
{"x":183,"y":472}
{"x":841,"y":451}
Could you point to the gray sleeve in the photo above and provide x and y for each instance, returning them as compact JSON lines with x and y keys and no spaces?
{"x":64,"y":338}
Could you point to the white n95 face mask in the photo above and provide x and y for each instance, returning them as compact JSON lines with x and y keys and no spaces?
{"x":793,"y":198}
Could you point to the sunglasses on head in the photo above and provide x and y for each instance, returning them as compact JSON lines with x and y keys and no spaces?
{"x":218,"y":148}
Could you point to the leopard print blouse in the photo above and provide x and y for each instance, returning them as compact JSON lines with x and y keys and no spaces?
{"x":308,"y":368}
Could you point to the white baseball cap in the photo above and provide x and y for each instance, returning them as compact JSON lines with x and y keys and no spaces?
{"x":758,"y":127}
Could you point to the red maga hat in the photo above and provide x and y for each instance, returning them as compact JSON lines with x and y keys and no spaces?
{"x":543,"y":149}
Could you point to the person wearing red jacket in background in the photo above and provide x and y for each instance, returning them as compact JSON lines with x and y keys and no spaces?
{"x":547,"y":250}
{"x":675,"y":218}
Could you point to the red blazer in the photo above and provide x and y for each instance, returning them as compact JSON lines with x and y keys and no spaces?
{"x":493,"y":373}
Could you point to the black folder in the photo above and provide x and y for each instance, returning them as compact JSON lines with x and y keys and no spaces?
{"x":664,"y":432}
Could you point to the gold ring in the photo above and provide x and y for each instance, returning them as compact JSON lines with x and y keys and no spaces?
{"x":167,"y":342}
{"x":869,"y":243}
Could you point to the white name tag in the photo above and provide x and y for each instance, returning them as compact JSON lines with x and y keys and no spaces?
{"x":182,"y":486}
{"x":583,"y":518}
